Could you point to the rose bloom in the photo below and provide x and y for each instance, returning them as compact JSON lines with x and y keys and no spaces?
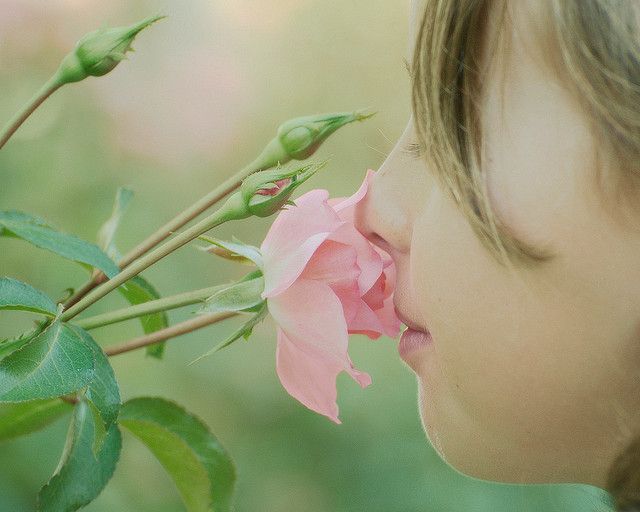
{"x":323,"y":281}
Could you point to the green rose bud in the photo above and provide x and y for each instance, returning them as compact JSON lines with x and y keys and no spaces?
{"x":299,"y":138}
{"x":265,"y":192}
{"x":100,"y":51}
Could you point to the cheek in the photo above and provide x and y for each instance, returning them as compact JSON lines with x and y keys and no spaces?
{"x":491,"y":340}
{"x":515,"y":366}
{"x":465,"y":307}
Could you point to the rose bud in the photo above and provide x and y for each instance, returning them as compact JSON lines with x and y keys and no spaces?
{"x":100,"y":51}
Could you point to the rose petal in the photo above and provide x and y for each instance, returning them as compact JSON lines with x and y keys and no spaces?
{"x":308,"y":376}
{"x":366,"y":321}
{"x":281,"y":270}
{"x":333,"y":262}
{"x":345,"y":207}
{"x":369,"y":261}
{"x":375,"y":295}
{"x":295,"y":224}
{"x":310,"y":312}
{"x":312,"y":345}
{"x":389,"y":318}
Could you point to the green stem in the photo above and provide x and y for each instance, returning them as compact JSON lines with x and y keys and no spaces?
{"x":52,"y":85}
{"x":225,"y":188}
{"x":222,"y":190}
{"x":147,"y":308}
{"x":226,"y":212}
{"x":169,"y":332}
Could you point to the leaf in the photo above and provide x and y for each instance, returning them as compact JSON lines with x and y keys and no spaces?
{"x":107,"y":231}
{"x":9,"y":345}
{"x":15,"y":294}
{"x":81,"y":476}
{"x":237,"y":249}
{"x":244,"y":332}
{"x":27,"y":417}
{"x":103,"y":391}
{"x":36,"y":231}
{"x":54,"y":363}
{"x":200,"y":467}
{"x":236,"y":297}
{"x":138,"y":290}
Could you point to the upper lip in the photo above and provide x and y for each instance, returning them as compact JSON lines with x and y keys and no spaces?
{"x":406,"y":321}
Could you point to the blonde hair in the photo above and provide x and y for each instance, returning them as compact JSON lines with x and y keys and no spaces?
{"x":593,"y":46}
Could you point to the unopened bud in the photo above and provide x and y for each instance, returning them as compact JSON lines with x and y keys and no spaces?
{"x":100,"y":51}
{"x":266,"y":192}
{"x":299,"y":138}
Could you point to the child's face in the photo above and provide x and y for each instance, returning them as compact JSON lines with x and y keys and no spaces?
{"x":532,"y":377}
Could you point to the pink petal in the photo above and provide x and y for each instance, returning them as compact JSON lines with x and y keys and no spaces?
{"x":369,"y":261}
{"x":312,"y":345}
{"x":375,"y":295}
{"x":282,"y":269}
{"x":295,"y":224}
{"x":366,"y":321}
{"x":389,"y":272}
{"x":293,"y":238}
{"x":333,"y":262}
{"x":348,"y":294}
{"x":345,"y":207}
{"x":310,"y":312}
{"x":389,"y":318}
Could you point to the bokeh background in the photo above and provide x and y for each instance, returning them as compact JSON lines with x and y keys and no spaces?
{"x":205,"y":89}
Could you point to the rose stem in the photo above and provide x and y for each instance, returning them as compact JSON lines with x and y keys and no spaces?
{"x":147,"y":308}
{"x":213,"y":220}
{"x":177,"y":222}
{"x":169,"y":332}
{"x":52,"y":85}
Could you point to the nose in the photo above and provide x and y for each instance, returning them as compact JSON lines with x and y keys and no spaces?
{"x":385,"y":216}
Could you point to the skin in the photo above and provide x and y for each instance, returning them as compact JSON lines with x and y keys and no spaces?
{"x":532,"y":377}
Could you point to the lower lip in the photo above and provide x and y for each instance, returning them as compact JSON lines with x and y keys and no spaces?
{"x":412,"y":341}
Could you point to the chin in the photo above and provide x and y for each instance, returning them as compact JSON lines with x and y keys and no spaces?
{"x":435,"y":436}
{"x":463,"y":461}
{"x":427,"y":421}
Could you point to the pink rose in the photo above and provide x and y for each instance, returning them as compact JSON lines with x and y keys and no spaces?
{"x":323,"y":280}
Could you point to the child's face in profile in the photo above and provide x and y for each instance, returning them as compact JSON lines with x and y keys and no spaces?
{"x":533,"y":376}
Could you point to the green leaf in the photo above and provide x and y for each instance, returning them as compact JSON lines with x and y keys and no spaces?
{"x":81,"y":475}
{"x":36,"y":231}
{"x":200,"y":467}
{"x":138,"y":290}
{"x":102,"y":392}
{"x":15,"y":294}
{"x":237,"y":249}
{"x":244,"y":331}
{"x":27,"y":417}
{"x":236,"y":297}
{"x":54,"y":363}
{"x":9,"y":345}
{"x":107,"y":231}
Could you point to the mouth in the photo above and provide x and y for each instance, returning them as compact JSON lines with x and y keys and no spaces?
{"x":412,"y":340}
{"x":409,"y":323}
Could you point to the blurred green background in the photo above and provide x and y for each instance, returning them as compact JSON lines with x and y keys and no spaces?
{"x":204,"y":91}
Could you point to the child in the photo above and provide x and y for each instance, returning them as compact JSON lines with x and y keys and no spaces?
{"x":509,"y":206}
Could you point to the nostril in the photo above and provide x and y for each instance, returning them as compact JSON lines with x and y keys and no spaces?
{"x":380,"y":242}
